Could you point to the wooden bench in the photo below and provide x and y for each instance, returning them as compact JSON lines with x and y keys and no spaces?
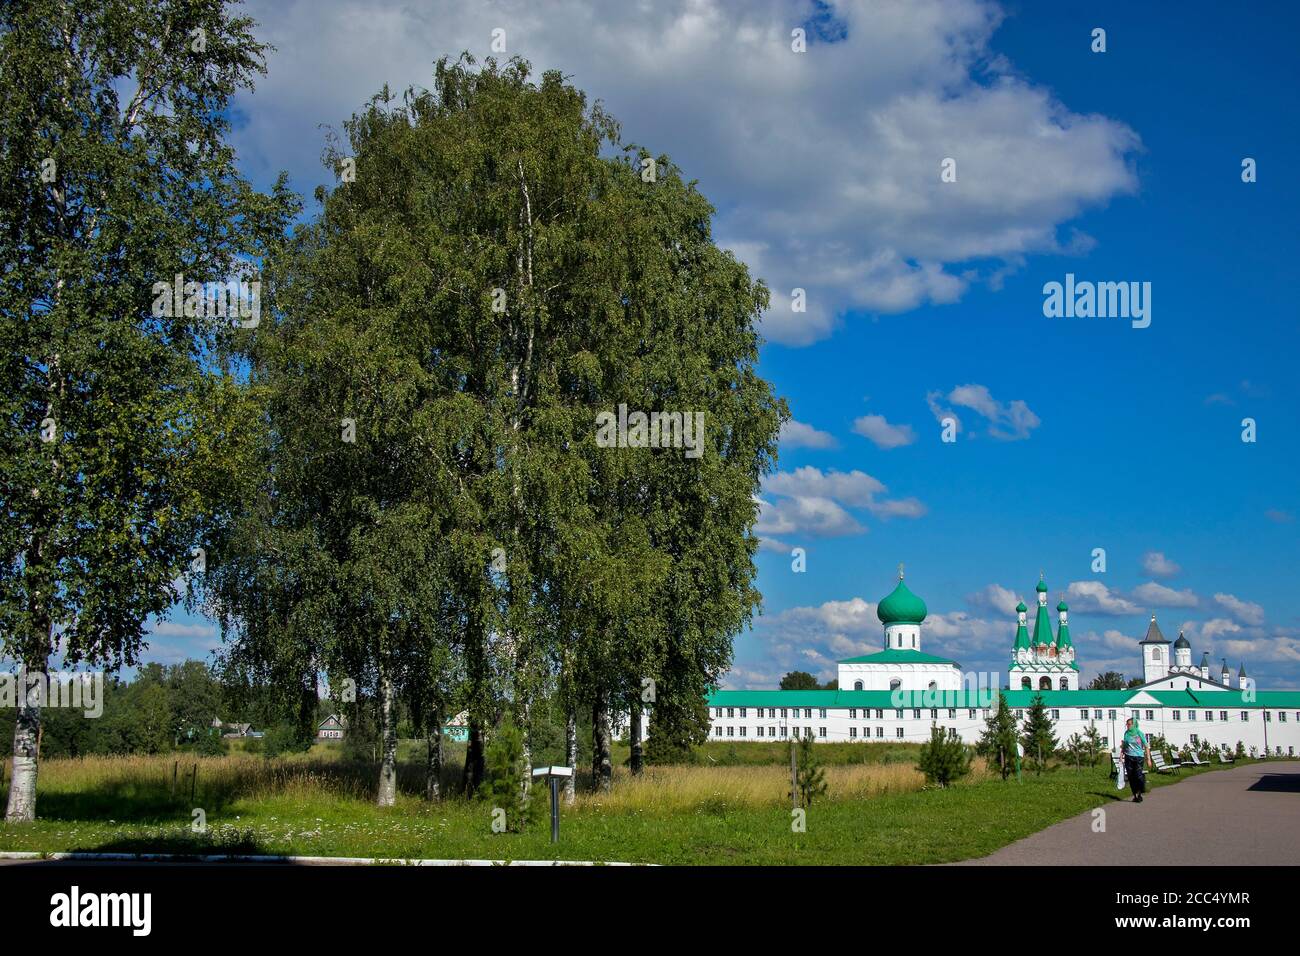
{"x":1162,"y":765}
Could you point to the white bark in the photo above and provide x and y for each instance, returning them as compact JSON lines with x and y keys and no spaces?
{"x":27,"y":745}
{"x":571,"y":754}
{"x":433,"y":764}
{"x":387,"y":743}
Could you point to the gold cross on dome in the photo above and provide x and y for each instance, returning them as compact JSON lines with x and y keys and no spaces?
{"x":900,"y":570}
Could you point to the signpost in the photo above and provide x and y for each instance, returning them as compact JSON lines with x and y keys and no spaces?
{"x":554,"y":775}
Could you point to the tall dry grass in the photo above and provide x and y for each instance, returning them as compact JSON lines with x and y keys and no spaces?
{"x":667,"y":789}
{"x":147,"y":781}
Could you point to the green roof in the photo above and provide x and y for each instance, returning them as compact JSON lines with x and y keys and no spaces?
{"x":1227,"y":698}
{"x":1063,"y":636}
{"x":1016,"y":699}
{"x":1022,"y":639}
{"x":898,"y":657}
{"x":901,"y":607}
{"x":1042,"y":626}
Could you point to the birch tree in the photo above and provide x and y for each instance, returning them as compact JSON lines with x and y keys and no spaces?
{"x":115,"y":176}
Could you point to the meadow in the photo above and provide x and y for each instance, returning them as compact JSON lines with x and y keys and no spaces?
{"x":732,"y":807}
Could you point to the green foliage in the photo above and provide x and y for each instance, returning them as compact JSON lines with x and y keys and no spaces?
{"x":122,"y":418}
{"x":282,"y":738}
{"x":799,"y":680}
{"x":1110,"y":680}
{"x":1091,"y":749}
{"x":473,"y":345}
{"x":810,"y":776}
{"x":209,"y":743}
{"x":944,"y":759}
{"x":997,"y":743}
{"x":1240,"y":752}
{"x":506,"y":785}
{"x":677,"y":726}
{"x":1037,"y":736}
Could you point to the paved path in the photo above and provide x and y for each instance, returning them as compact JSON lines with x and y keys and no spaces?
{"x":1247,"y":815}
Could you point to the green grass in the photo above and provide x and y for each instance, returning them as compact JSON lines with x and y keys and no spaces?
{"x":310,"y":807}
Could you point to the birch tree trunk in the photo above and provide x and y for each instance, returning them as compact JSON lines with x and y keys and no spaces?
{"x":387,"y":742}
{"x":571,"y":754}
{"x":634,"y":736}
{"x":472,"y":776}
{"x":525,"y":722}
{"x":433,"y":763}
{"x":602,"y":770}
{"x":27,"y":746}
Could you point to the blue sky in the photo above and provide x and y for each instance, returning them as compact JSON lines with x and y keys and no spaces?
{"x":1076,"y":433}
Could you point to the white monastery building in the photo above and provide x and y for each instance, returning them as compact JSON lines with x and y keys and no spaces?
{"x":900,"y":692}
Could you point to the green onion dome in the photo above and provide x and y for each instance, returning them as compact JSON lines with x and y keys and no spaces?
{"x":901,"y":607}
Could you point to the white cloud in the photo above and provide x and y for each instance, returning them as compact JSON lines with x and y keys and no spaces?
{"x":825,"y":164}
{"x":1209,"y":630}
{"x":800,"y":435}
{"x":1247,"y":612}
{"x":854,"y":488}
{"x":1157,"y":595}
{"x":995,"y":598}
{"x":806,"y":514}
{"x":810,"y":501}
{"x":1155,"y":563}
{"x":1095,"y":597}
{"x":1010,"y":421}
{"x":883,"y":433}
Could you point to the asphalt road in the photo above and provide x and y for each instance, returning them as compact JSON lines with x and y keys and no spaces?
{"x":1244,"y":816}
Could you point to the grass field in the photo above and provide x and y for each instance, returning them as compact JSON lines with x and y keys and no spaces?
{"x":731,"y":808}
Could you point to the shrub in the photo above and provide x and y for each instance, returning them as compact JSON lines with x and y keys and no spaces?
{"x":944,"y":759}
{"x":210,"y":744}
{"x":282,"y":739}
{"x":810,"y":778}
{"x":505,"y":784}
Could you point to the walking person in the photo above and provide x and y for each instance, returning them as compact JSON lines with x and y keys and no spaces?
{"x":1137,"y":756}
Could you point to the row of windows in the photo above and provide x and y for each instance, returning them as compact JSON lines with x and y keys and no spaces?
{"x":719,"y":730}
{"x":771,"y":713}
{"x":1044,"y":683}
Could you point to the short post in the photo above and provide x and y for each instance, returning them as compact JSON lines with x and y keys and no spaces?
{"x":175,"y":765}
{"x":194,"y":784}
{"x":794,"y":776}
{"x":554,"y":775}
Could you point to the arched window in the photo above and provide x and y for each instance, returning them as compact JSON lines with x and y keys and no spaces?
{"x":857,"y":685}
{"x":1155,"y":654}
{"x":1044,"y":683}
{"x":895,"y":683}
{"x":1065,"y":684}
{"x":1025,"y":684}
